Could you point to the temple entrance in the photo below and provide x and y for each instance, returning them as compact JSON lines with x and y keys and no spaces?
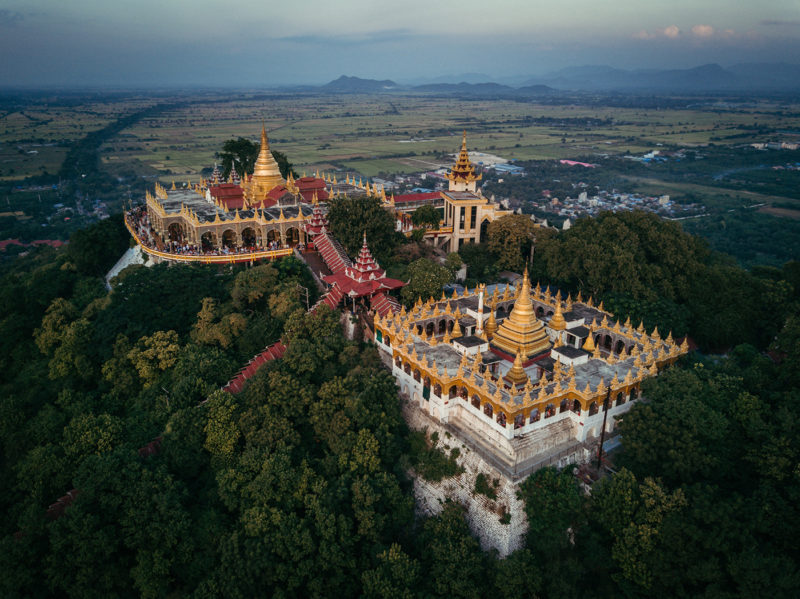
{"x":292,"y":237}
{"x":175,"y":232}
{"x":208,"y":241}
{"x":248,"y":238}
{"x":273,"y":239}
{"x":229,"y":239}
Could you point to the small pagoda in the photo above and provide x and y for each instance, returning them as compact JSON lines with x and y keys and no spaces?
{"x":318,"y":223}
{"x":364,"y":278}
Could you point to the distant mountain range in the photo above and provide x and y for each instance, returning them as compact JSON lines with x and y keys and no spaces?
{"x":746,"y":77}
{"x":345,"y":84}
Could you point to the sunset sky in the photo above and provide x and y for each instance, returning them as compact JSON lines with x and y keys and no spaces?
{"x":265,"y":43}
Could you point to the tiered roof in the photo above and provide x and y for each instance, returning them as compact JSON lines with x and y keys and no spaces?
{"x":463,"y":169}
{"x":318,"y":223}
{"x":364,"y":278}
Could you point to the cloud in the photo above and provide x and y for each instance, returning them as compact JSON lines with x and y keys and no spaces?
{"x":9,"y":18}
{"x":780,"y":23}
{"x":672,"y":32}
{"x":702,"y":30}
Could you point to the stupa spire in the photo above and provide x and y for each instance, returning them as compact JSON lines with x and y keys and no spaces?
{"x":522,"y":329}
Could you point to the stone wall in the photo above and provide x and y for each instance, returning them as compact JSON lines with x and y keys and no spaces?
{"x":483,"y":514}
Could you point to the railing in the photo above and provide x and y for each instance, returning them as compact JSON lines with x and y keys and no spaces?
{"x":211,"y":258}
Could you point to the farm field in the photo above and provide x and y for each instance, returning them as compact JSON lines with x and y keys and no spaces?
{"x":370,"y":135}
{"x":34,"y":139}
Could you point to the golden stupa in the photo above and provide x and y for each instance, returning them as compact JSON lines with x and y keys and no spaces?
{"x":522,"y":330}
{"x":266,"y":174}
{"x":516,"y":376}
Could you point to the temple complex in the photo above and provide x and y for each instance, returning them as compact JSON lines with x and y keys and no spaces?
{"x":260,"y":212}
{"x":522,"y":374}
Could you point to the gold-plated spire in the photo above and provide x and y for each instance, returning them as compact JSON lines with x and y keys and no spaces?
{"x":516,"y":375}
{"x":557,"y":322}
{"x":522,"y":328}
{"x":266,"y":174}
{"x":588,"y":345}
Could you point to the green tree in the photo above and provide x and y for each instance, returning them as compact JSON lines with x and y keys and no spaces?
{"x":351,"y":218}
{"x":454,"y":564}
{"x":510,"y":239}
{"x":397,"y":576}
{"x":481,"y":264}
{"x":154,"y":354}
{"x":553,"y":504}
{"x":426,"y":279}
{"x":453,"y":263}
{"x":94,"y":250}
{"x":426,"y":216}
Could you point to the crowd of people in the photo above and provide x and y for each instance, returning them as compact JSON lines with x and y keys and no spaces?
{"x":140,"y":223}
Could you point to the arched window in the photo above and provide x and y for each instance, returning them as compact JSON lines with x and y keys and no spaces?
{"x":419,"y":329}
{"x":620,"y":398}
{"x":632,"y":394}
{"x":519,"y":421}
{"x":398,"y":362}
{"x":607,"y":342}
{"x":488,"y":409}
{"x":429,"y":329}
{"x":407,"y":368}
{"x":463,"y":393}
{"x":501,"y":418}
{"x":442,"y":326}
{"x":620,"y":346}
{"x":453,"y":392}
{"x":437,"y":390}
{"x":576,"y":406}
{"x":476,"y":402}
{"x":539,"y":312}
{"x":549,"y":411}
{"x":563,"y":407}
{"x":416,"y":375}
{"x":593,"y":408}
{"x":535,"y":416}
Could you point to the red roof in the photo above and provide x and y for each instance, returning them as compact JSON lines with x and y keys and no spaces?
{"x":417,"y":197}
{"x":364,"y":278}
{"x":7,"y":242}
{"x":273,"y":352}
{"x":332,"y":252}
{"x":383,"y":304}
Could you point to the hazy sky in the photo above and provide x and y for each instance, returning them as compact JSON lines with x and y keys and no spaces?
{"x":265,"y":43}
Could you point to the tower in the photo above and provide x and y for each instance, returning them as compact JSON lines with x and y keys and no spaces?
{"x":462,"y":176}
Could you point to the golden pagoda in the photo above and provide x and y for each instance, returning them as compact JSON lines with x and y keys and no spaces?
{"x":463,"y":170}
{"x":522,"y":330}
{"x":490,"y":326}
{"x":557,"y":322}
{"x":516,"y":376}
{"x":266,"y":174}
